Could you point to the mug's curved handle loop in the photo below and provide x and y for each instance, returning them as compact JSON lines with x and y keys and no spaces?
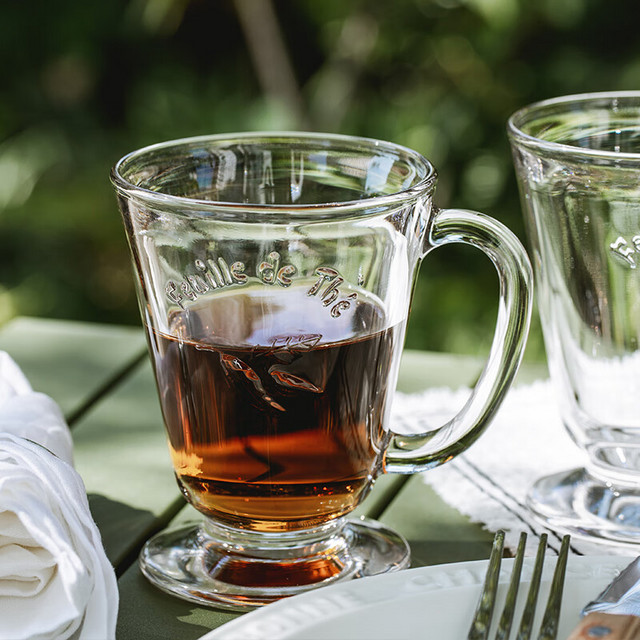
{"x":412,"y":453}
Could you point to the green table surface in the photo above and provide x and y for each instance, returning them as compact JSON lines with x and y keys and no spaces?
{"x":101,"y":377}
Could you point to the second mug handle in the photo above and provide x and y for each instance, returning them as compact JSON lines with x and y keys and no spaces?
{"x":413,"y":453}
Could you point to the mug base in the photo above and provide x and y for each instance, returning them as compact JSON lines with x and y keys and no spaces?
{"x":196,"y":565}
{"x":579,"y":503}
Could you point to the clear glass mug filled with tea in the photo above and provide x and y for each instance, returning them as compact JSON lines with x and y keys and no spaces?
{"x":274,"y":276}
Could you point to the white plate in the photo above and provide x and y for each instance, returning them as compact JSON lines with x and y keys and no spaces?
{"x":435,"y":602}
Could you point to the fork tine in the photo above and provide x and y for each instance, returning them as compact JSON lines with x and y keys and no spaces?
{"x":482,"y":618}
{"x":549,"y":626}
{"x":526,"y":624}
{"x":506,"y":619}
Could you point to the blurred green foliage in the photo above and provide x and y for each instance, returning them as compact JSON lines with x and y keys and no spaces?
{"x":86,"y":82}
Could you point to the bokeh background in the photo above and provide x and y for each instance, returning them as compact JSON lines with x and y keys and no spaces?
{"x":85,"y":82}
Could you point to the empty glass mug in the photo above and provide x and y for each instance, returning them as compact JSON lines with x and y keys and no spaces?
{"x":274,"y":275}
{"x":577,"y":160}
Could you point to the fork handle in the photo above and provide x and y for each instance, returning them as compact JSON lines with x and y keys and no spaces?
{"x":607,"y":626}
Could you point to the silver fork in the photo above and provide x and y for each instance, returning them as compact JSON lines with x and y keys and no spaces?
{"x":484,"y":613}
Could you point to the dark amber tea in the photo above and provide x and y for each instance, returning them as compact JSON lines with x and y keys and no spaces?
{"x":272,"y":431}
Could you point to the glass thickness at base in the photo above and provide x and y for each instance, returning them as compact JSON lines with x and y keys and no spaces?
{"x":217,"y":567}
{"x":583,"y":505}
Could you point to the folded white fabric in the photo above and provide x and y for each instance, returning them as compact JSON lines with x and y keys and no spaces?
{"x":55,"y":579}
{"x":31,"y":415}
{"x":490,"y":481}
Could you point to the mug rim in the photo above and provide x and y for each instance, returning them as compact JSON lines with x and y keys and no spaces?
{"x":530,"y":112}
{"x":226,"y":208}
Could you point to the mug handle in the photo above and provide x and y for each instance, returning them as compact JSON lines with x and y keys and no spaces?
{"x":414,"y":453}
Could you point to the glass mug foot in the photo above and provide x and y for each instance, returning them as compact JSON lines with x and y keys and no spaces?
{"x":216,"y":566}
{"x":583,"y":505}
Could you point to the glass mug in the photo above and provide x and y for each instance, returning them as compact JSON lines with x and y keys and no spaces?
{"x":577,"y":160}
{"x":274,"y":276}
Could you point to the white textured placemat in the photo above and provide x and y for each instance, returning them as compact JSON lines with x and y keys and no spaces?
{"x":489,"y":482}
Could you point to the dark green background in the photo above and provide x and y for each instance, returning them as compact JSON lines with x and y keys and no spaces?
{"x":85,"y":82}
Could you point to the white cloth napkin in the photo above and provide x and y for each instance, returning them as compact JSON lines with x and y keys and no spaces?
{"x":489,"y":482}
{"x":55,"y":579}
